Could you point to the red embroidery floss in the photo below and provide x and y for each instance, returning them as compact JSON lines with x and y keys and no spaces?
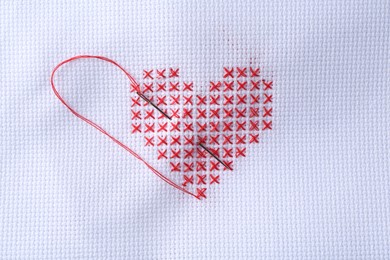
{"x":219,"y":125}
{"x":135,"y":85}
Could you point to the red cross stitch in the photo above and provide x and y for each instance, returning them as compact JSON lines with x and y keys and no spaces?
{"x":201,"y":193}
{"x":214,"y":179}
{"x":148,"y":87}
{"x":161,"y":73}
{"x":187,"y":86}
{"x":241,"y":72}
{"x":255,"y":72}
{"x":200,"y":166}
{"x":148,"y":74}
{"x":162,"y":154}
{"x":228,"y":72}
{"x":194,"y":131}
{"x":215,"y":86}
{"x":231,"y":119}
{"x":240,"y":126}
{"x":173,"y":73}
{"x":228,"y":86}
{"x":188,"y":180}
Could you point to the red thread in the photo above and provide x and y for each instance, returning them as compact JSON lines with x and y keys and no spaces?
{"x":135,"y":85}
{"x":227,"y":152}
{"x":215,"y":151}
{"x":161,"y":86}
{"x":201,"y":179}
{"x":162,"y":140}
{"x":255,"y":85}
{"x":240,"y":152}
{"x":228,"y":100}
{"x":267,"y":125}
{"x":188,"y":153}
{"x":200,"y":166}
{"x":162,"y":127}
{"x":201,"y":113}
{"x":161,"y":73}
{"x":227,"y":126}
{"x":229,"y":165}
{"x":268,"y":99}
{"x":149,"y":114}
{"x":174,"y":86}
{"x":148,"y":87}
{"x":228,"y":86}
{"x":254,"y":138}
{"x":173,"y":73}
{"x":136,"y":101}
{"x":188,"y":100}
{"x":214,"y":100}
{"x":187,"y":86}
{"x":214,"y":179}
{"x":241,"y":72}
{"x":214,"y":139}
{"x":175,"y":100}
{"x":214,"y":126}
{"x":214,"y":86}
{"x":227,"y":139}
{"x":175,"y":113}
{"x":200,"y":153}
{"x":175,"y":154}
{"x":188,"y":127}
{"x":187,"y":113}
{"x":240,"y":126}
{"x":240,"y":112}
{"x":267,"y":112}
{"x":241,"y":85}
{"x":189,"y":140}
{"x":149,"y":127}
{"x":188,"y":167}
{"x":255,"y":99}
{"x":254,"y":112}
{"x":175,"y":126}
{"x":162,"y":154}
{"x":214,"y":165}
{"x":136,"y":115}
{"x":241,"y":99}
{"x":175,"y":167}
{"x":201,"y":100}
{"x":267,"y":85}
{"x":136,"y":128}
{"x":228,"y":73}
{"x":228,"y":112}
{"x":255,"y":72}
{"x":254,"y":125}
{"x":149,"y":141}
{"x":161,"y":101}
{"x":201,"y":127}
{"x":241,"y":139}
{"x":175,"y":140}
{"x":201,"y":193}
{"x":188,"y":180}
{"x":214,"y":113}
{"x":147,"y":73}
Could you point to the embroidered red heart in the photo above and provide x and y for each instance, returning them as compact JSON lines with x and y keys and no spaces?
{"x":206,"y":133}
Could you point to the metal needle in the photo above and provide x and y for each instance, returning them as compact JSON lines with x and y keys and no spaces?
{"x":213,"y":155}
{"x":151,"y":103}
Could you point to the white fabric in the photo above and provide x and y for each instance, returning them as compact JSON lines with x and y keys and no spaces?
{"x":317,"y":186}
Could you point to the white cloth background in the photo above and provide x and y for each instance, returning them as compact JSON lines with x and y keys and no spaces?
{"x":316,"y":187}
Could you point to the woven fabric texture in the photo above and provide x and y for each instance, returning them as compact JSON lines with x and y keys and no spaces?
{"x":316,"y":186}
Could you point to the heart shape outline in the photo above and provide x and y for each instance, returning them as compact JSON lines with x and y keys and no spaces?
{"x":133,"y":86}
